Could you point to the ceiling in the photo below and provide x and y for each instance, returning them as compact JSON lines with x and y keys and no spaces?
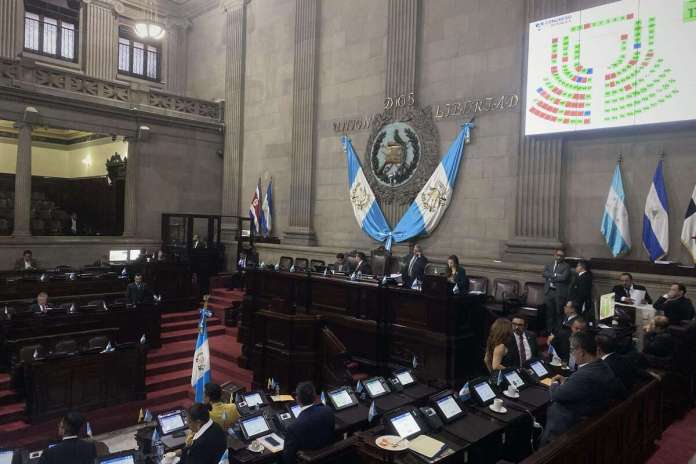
{"x":50,"y":135}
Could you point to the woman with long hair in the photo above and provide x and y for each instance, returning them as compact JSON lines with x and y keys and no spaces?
{"x":456,"y":275}
{"x":501,"y":332}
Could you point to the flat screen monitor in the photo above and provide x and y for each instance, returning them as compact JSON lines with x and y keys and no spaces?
{"x":539,"y":369}
{"x":123,"y":459}
{"x":341,"y":398}
{"x":133,"y":255}
{"x":253,"y":399}
{"x":484,"y":391}
{"x":295,"y":409}
{"x":255,"y":427}
{"x":6,"y":456}
{"x":171,"y":422}
{"x":375,"y":388}
{"x":118,"y":256}
{"x":405,"y":378}
{"x":514,"y":379}
{"x":405,"y":425}
{"x":449,"y":407}
{"x":606,"y":306}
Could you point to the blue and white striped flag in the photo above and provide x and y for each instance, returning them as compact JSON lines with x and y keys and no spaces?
{"x":430,"y":204}
{"x":322,"y":397}
{"x":656,"y":218}
{"x":372,"y":413}
{"x":365,"y":207}
{"x":225,"y":458}
{"x":200,"y":374}
{"x":688,"y":235}
{"x":88,"y":429}
{"x":464,"y":393}
{"x":615,"y":228}
{"x":266,"y":207}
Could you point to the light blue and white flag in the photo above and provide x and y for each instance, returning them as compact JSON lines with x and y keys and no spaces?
{"x":155,"y":436}
{"x":615,"y":228}
{"x":323,"y":398}
{"x":148,"y":416}
{"x":432,"y":201}
{"x":266,"y":207}
{"x":656,"y":218}
{"x":365,"y":207}
{"x":225,"y":459}
{"x":372,"y":413}
{"x":499,"y":379}
{"x":200,"y":374}
{"x":88,"y":429}
{"x":358,"y":387}
{"x":465,"y":393}
{"x":414,"y":361}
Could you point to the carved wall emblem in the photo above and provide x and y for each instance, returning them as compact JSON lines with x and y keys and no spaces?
{"x":395,"y":154}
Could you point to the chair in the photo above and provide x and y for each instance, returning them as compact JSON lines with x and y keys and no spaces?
{"x":100,"y":341}
{"x":26,"y":353}
{"x":532,"y":302}
{"x":66,"y":346}
{"x":285,"y":263}
{"x":433,"y":269}
{"x":379,"y":260}
{"x":478,"y":284}
{"x":301,"y":264}
{"x":506,"y":296}
{"x":317,"y":265}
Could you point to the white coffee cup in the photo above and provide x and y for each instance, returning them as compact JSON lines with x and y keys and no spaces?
{"x":512,"y":390}
{"x":497,"y":404}
{"x":169,"y":457}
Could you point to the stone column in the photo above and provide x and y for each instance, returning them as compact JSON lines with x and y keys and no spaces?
{"x":403,"y":20}
{"x":100,"y":39}
{"x":537,"y":229}
{"x":10,"y":11}
{"x":130,"y":200}
{"x":22,"y":199}
{"x":176,"y":49}
{"x":303,"y":117}
{"x":235,"y":11}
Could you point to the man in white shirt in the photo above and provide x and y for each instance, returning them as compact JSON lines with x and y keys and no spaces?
{"x":623,"y":292}
{"x":26,"y":262}
{"x":522,"y":346}
{"x":41,"y":305}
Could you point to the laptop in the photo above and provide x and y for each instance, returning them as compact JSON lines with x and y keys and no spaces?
{"x":173,"y":426}
{"x":124,"y":457}
{"x":254,"y":427}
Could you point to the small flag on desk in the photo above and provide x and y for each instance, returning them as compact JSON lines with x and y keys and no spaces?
{"x":464,"y":393}
{"x":414,"y":361}
{"x":140,"y":416}
{"x":499,"y":379}
{"x":148,"y":416}
{"x":268,"y":384}
{"x":358,"y":387}
{"x":88,"y":429}
{"x":323,"y":398}
{"x":143,"y":339}
{"x":555,"y":359}
{"x":688,"y":235}
{"x":155,"y":436}
{"x":372,"y":413}
{"x":225,"y":459}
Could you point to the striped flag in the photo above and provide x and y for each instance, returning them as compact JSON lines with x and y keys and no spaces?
{"x":656,"y":217}
{"x":225,"y":459}
{"x":200,"y":373}
{"x":266,"y":207}
{"x":372,"y":413}
{"x":615,"y":227}
{"x":688,"y":235}
{"x":255,"y":210}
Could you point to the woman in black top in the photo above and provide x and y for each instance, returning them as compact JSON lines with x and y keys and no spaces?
{"x":456,"y":275}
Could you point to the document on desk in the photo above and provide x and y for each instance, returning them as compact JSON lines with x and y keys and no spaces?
{"x":272,"y":443}
{"x":637,"y":296}
{"x":281,"y":398}
{"x":547,"y":381}
{"x":427,"y":446}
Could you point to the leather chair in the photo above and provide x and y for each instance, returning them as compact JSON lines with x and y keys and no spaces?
{"x":301,"y":264}
{"x":505,"y":296}
{"x":341,"y":452}
{"x":100,"y":341}
{"x":66,"y":346}
{"x":379,"y":260}
{"x":317,"y":265}
{"x":26,"y":353}
{"x":285,"y":263}
{"x":532,"y":303}
{"x":478,"y":284}
{"x":433,"y":269}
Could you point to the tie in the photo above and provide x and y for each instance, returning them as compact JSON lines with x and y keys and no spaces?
{"x":523,"y":352}
{"x":410,"y":266}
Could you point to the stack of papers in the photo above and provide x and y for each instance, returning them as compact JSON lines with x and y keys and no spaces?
{"x":428,"y":447}
{"x":281,"y":398}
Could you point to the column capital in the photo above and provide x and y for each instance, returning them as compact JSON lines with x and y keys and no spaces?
{"x":233,"y":5}
{"x":114,"y":5}
{"x":175,"y":21}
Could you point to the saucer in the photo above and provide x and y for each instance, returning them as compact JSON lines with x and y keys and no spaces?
{"x":502,"y":410}
{"x":392,"y":443}
{"x":514,"y":395}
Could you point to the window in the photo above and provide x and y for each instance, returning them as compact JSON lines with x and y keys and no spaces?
{"x":137,"y":57}
{"x":51,"y":30}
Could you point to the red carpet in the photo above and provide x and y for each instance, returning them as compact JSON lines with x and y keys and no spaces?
{"x":168,"y":377}
{"x":678,"y":442}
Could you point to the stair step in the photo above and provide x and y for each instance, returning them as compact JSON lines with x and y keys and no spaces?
{"x":181,"y":316}
{"x":12,"y":412}
{"x":168,"y":380}
{"x":190,"y":334}
{"x":167,"y":395}
{"x":5,"y":381}
{"x":180,"y":325}
{"x":8,"y":396}
{"x":171,"y":365}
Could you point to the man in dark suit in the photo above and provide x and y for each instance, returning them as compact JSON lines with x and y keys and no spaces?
{"x":138,"y":292}
{"x":658,"y":340}
{"x":314,"y":427}
{"x":580,"y":291}
{"x":71,"y":448}
{"x":363,"y":266}
{"x":73,"y":226}
{"x":197,"y":243}
{"x":624,"y":366}
{"x":341,"y":265}
{"x":584,"y":393}
{"x":559,"y":338}
{"x":415,"y":269}
{"x":675,"y":305}
{"x":26,"y":262}
{"x":622,"y":293}
{"x":556,"y":279}
{"x":522,"y":346}
{"x":41,"y":306}
{"x":209,"y":441}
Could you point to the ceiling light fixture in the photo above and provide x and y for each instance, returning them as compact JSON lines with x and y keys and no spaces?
{"x":149,"y":27}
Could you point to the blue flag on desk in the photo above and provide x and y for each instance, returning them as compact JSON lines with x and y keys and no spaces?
{"x":200,"y":374}
{"x":225,"y":459}
{"x":372,"y":413}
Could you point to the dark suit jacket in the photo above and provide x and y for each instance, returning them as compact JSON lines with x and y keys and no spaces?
{"x":342,"y":267}
{"x":624,"y":367}
{"x":677,"y":310}
{"x":620,"y":291}
{"x":560,"y":279}
{"x":561,"y":339}
{"x":584,"y":393}
{"x":461,"y":281}
{"x":136,"y":295}
{"x":658,"y":344}
{"x":512,"y":358}
{"x":417,"y":271}
{"x":313,"y":430}
{"x":36,"y":309}
{"x":19,"y":264}
{"x":206,"y":449}
{"x":580,"y":292}
{"x":363,"y":267}
{"x":73,"y":451}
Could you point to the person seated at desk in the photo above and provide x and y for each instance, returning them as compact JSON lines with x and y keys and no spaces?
{"x":560,"y":336}
{"x":496,"y":346}
{"x":209,"y":441}
{"x":583,"y":393}
{"x":223,"y":414}
{"x":138,"y":291}
{"x":522,"y":346}
{"x":675,"y":305}
{"x":71,"y":449}
{"x":161,"y":256}
{"x":341,"y":265}
{"x":73,"y":226}
{"x":26,"y":262}
{"x":622,"y":293}
{"x":197,"y":243}
{"x":658,"y":340}
{"x":624,"y":366}
{"x":314,"y":427}
{"x":363,"y":266}
{"x":415,"y":269}
{"x":41,"y":305}
{"x":457,"y":275}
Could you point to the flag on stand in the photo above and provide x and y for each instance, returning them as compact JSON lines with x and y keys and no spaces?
{"x":615,"y":227}
{"x":688,"y":235}
{"x":200,"y":374}
{"x":656,"y":217}
{"x":255,"y":210}
{"x":266,"y":207}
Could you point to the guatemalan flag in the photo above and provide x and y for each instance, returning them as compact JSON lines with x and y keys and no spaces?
{"x":266,"y":206}
{"x":430,"y":204}
{"x":255,"y":209}
{"x":656,"y":218}
{"x":200,"y":374}
{"x":688,"y":235}
{"x":365,"y":207}
{"x":615,"y":227}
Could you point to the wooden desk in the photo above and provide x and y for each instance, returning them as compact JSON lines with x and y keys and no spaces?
{"x":85,"y":381}
{"x":26,"y":285}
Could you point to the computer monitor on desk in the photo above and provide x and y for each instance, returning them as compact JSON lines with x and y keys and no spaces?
{"x":342,"y":398}
{"x":376,"y":387}
{"x":10,"y":456}
{"x":118,"y":256}
{"x":254,"y":427}
{"x":404,"y":424}
{"x":124,"y":457}
{"x":405,"y":377}
{"x":448,"y":407}
{"x":483,"y":391}
{"x":172,"y":426}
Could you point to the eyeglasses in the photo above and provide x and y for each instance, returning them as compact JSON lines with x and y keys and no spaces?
{"x":518,"y":324}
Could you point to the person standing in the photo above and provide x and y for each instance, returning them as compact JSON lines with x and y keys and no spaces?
{"x":415,"y":270}
{"x":580,"y":291}
{"x":456,"y":275}
{"x":556,"y":279}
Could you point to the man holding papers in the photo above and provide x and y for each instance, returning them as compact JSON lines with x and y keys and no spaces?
{"x":630,"y":293}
